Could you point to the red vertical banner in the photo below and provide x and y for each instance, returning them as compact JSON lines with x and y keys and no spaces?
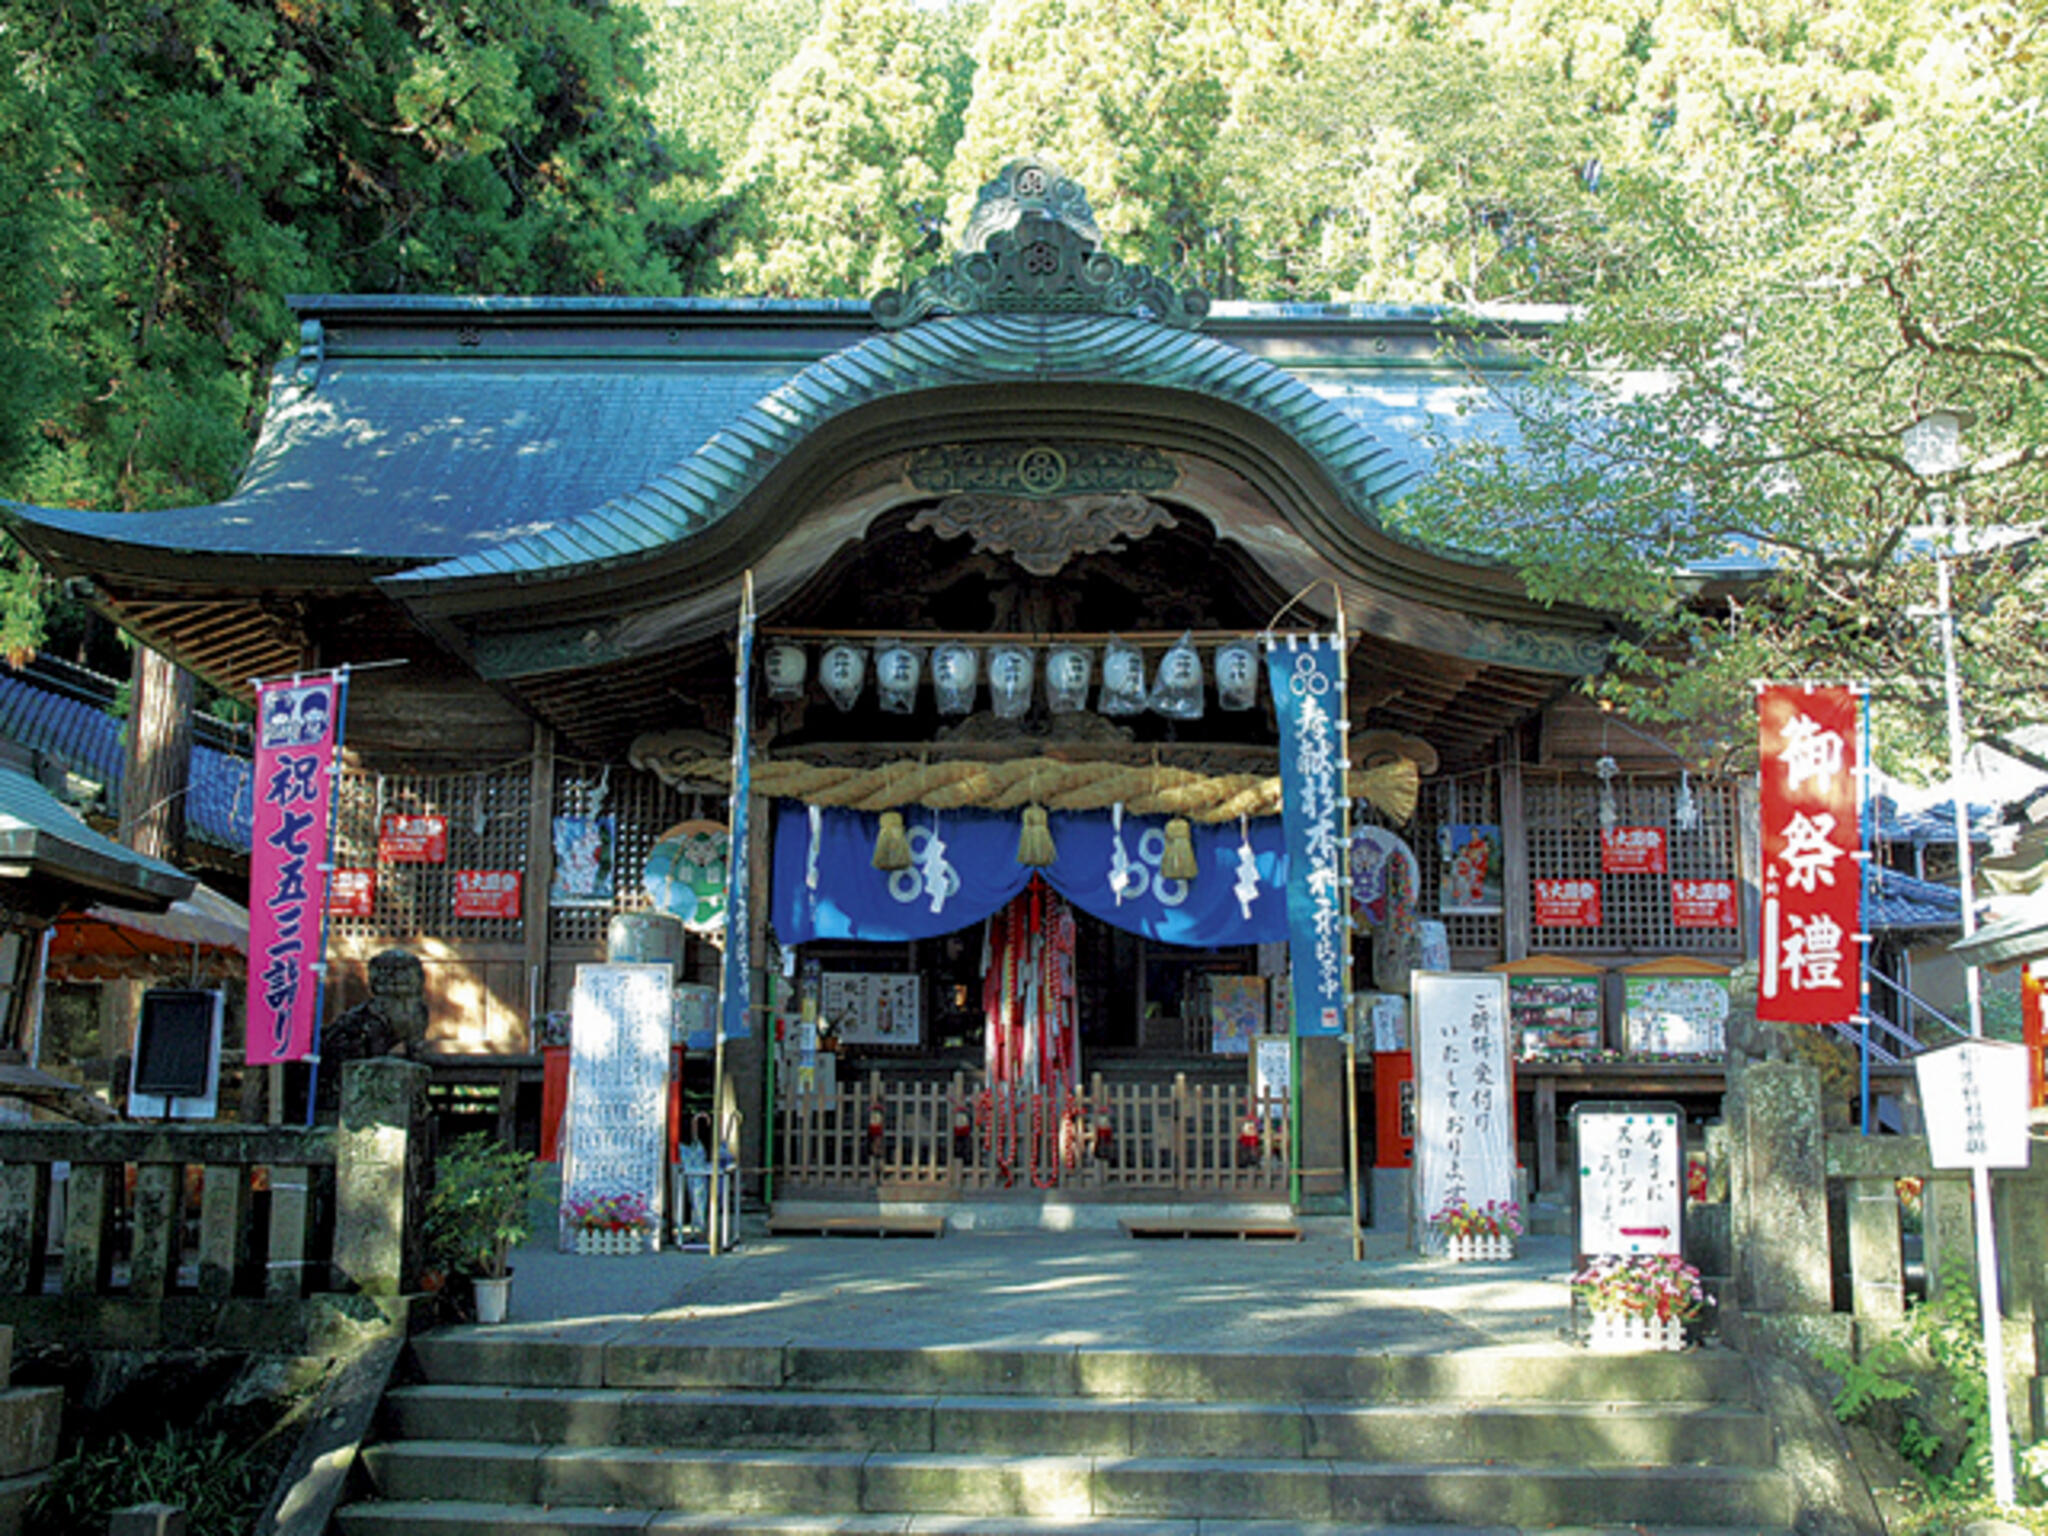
{"x":2034,"y":1030}
{"x":1812,"y":882}
{"x":298,"y":726}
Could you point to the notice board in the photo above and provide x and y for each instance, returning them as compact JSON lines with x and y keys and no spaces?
{"x":620,"y":1017}
{"x":1464,"y":1091}
{"x":1629,"y":1196}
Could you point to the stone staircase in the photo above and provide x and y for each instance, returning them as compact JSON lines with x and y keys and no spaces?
{"x":509,"y":1433}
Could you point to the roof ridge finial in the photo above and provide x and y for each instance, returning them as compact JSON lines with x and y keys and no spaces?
{"x":1033,"y":247}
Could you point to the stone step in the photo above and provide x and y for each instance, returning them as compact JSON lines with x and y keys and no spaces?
{"x":828,"y":1483}
{"x":1586,"y":1434}
{"x":446,"y":1518}
{"x":516,"y":1357}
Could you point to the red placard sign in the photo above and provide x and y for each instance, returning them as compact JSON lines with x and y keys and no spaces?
{"x":487,"y":893}
{"x":1703,"y":903}
{"x":1632,"y":850}
{"x":1812,"y":886}
{"x":1566,"y":903}
{"x":412,"y":840}
{"x":353,"y":893}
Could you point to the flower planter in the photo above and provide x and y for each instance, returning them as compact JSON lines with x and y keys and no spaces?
{"x":1479,"y":1250}
{"x":610,"y":1240}
{"x":1616,"y":1332}
{"x":493,"y":1298}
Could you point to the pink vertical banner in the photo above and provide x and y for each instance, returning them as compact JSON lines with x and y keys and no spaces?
{"x":1810,"y":966}
{"x":298,"y":727}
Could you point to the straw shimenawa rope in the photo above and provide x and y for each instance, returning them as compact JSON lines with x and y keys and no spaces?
{"x":1143,"y":790}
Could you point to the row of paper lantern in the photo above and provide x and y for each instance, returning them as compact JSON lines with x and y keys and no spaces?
{"x":1175,"y":688}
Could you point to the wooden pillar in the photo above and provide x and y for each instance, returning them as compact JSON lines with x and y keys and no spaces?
{"x":540,"y":874}
{"x":1514,"y":847}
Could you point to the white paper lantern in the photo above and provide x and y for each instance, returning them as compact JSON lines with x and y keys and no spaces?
{"x":1067,"y":672}
{"x":956,"y":672}
{"x":897,"y":668}
{"x":785,"y":665}
{"x":1010,"y":671}
{"x":1237,"y":674}
{"x":1177,"y":688}
{"x":842,"y":670}
{"x":1123,"y":679}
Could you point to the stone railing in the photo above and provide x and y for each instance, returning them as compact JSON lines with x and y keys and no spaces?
{"x":164,"y":1234}
{"x":1798,"y":1197}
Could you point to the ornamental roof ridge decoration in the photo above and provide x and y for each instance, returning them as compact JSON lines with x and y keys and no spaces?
{"x":1033,"y":247}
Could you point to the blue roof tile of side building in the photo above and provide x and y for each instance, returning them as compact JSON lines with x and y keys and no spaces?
{"x":1893,"y":900}
{"x":84,"y":739}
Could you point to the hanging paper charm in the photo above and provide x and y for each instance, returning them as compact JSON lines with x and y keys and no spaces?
{"x":1067,"y":669}
{"x":843,"y":670}
{"x":1177,"y":689}
{"x":956,"y":672}
{"x":1120,"y":878}
{"x":896,"y":672}
{"x":1247,"y":887}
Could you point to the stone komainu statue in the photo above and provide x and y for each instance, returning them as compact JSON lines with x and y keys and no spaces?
{"x":393,"y":1022}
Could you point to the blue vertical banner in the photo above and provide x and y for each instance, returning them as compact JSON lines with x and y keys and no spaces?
{"x":734,"y":992}
{"x":1306,"y":673}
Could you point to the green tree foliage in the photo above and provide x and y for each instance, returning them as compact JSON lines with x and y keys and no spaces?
{"x":840,"y":179}
{"x":173,"y":168}
{"x":712,"y":61}
{"x":1834,"y":277}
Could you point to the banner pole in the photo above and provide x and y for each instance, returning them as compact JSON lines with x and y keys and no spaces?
{"x":1345,"y":909}
{"x":732,"y":971}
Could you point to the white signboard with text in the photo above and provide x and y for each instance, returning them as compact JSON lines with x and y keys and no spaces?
{"x":616,"y":1128}
{"x":1630,"y":1190}
{"x":1464,"y":1090}
{"x":1974,"y":1094}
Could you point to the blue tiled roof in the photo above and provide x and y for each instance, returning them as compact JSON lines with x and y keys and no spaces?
{"x":1893,"y":900}
{"x":1929,"y":823}
{"x":86,"y":740}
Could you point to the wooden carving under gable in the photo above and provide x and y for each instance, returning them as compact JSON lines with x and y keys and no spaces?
{"x":1042,"y":536}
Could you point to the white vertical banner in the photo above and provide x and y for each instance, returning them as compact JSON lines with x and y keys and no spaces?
{"x":1464,"y":1091}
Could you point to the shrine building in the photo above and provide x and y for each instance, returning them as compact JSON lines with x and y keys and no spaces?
{"x":1022,"y":539}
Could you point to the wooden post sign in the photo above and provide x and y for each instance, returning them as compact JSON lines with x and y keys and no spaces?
{"x":1629,"y":1197}
{"x":620,"y":1018}
{"x":1465,"y":1093}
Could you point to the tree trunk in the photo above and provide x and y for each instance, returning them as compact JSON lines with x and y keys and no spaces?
{"x":159,"y":766}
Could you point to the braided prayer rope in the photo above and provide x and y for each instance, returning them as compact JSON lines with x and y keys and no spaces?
{"x":1143,"y":790}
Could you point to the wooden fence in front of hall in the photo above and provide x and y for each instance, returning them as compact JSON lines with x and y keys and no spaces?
{"x":910,"y":1138}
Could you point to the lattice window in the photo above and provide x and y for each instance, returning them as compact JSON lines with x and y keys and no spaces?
{"x":641,"y":808}
{"x":486,"y":813}
{"x":1461,"y":799}
{"x":1564,"y":842}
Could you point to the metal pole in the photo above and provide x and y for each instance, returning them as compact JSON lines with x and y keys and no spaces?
{"x":1980,"y":1176}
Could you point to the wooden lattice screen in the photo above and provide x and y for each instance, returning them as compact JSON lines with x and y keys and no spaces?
{"x":1564,"y":842}
{"x":641,"y":808}
{"x":486,"y":812}
{"x":1471,"y":797}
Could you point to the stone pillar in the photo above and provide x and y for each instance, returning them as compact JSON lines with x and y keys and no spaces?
{"x":1778,"y":1189}
{"x":378,"y":1175}
{"x":1323,"y":1127}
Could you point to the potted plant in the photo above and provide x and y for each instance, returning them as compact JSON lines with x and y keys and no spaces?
{"x":610,"y":1224}
{"x":476,"y":1212}
{"x":1642,"y":1301}
{"x":1471,"y":1232}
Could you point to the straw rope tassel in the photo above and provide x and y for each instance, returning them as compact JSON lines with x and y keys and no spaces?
{"x":1035,"y":848}
{"x":1177,"y":861}
{"x":892,"y":843}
